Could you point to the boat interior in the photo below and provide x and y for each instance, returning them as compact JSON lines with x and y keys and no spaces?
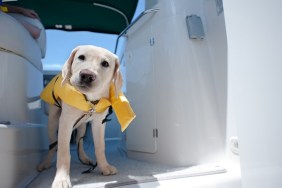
{"x":175,"y":58}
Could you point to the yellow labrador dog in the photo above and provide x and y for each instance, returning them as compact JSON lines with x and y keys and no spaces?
{"x":90,"y":70}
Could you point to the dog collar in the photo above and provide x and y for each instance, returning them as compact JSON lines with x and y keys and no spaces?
{"x":69,"y":95}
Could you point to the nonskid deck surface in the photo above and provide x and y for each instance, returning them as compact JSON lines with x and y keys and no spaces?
{"x":130,"y":171}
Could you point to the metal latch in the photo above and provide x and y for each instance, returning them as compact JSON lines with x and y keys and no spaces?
{"x":155,"y":133}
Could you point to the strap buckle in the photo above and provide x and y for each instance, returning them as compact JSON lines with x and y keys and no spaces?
{"x":91,"y":111}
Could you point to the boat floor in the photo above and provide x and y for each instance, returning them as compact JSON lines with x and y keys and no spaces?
{"x":134,"y":173}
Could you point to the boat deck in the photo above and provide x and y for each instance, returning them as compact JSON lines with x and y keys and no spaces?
{"x":132,"y":173}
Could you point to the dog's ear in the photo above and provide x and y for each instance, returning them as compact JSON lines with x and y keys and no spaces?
{"x":66,"y":70}
{"x":117,"y":77}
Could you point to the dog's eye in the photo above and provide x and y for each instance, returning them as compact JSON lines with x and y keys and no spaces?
{"x":105,"y":64}
{"x":81,"y":57}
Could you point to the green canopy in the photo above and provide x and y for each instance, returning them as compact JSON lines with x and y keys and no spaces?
{"x":105,"y":16}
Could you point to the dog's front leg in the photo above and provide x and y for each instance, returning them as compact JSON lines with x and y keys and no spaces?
{"x":98,"y":132}
{"x":67,"y":119}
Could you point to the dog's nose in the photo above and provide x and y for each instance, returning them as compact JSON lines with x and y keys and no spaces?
{"x":87,"y":76}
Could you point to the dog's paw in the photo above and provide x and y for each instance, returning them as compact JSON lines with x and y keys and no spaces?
{"x":43,"y":166}
{"x":107,"y":170}
{"x":61,"y":183}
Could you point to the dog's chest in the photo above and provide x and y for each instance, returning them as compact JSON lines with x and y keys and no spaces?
{"x":83,"y":119}
{"x":89,"y":118}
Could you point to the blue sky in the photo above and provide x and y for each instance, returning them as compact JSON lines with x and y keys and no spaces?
{"x":61,"y":43}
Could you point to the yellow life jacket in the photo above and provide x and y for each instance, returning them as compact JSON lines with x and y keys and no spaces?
{"x":69,"y":95}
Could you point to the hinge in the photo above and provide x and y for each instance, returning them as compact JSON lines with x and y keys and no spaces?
{"x":155,"y":133}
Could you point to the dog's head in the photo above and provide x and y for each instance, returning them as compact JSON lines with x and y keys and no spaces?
{"x":91,"y":69}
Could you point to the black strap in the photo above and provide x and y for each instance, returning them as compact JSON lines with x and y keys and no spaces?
{"x":109,"y":113}
{"x":53,"y":95}
{"x":51,"y":146}
{"x":92,"y":166}
{"x":78,"y":120}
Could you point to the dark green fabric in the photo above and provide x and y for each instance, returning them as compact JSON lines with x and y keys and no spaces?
{"x":82,"y":15}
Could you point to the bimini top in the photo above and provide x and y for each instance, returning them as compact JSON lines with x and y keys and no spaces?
{"x":105,"y":16}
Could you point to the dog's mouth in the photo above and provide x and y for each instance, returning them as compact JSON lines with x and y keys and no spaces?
{"x":84,"y":87}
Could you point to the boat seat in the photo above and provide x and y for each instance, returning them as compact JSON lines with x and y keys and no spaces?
{"x":21,"y":73}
